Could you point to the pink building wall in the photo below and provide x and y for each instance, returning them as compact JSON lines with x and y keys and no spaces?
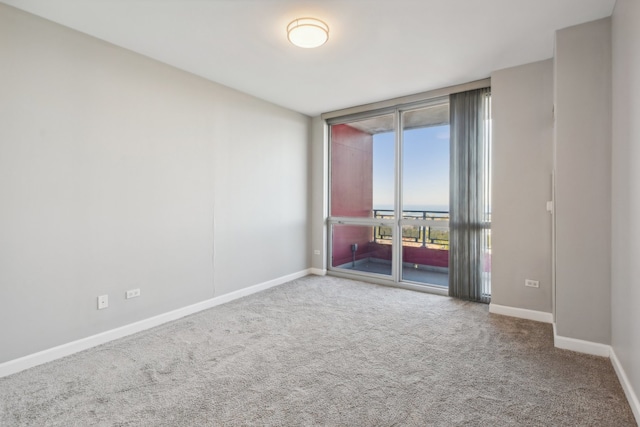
{"x":351,"y":172}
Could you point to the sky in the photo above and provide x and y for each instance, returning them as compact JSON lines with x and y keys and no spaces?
{"x":425,"y":169}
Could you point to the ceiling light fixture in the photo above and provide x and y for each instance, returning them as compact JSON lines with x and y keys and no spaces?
{"x":308,"y":32}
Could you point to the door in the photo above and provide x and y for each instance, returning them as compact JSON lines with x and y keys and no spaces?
{"x":362,"y":172}
{"x":389,"y":195}
{"x":425,"y":195}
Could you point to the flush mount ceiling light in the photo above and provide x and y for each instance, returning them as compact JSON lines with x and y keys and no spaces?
{"x":308,"y":32}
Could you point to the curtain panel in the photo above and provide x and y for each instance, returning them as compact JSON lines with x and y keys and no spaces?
{"x":470,"y":196}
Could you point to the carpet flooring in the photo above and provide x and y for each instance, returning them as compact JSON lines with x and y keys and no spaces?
{"x":325,"y":351}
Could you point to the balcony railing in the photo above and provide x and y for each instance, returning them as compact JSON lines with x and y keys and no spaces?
{"x":418,"y":234}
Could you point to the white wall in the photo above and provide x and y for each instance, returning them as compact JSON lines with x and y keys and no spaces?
{"x":583,"y":181}
{"x":118,"y":172}
{"x":625,"y":186}
{"x":318,"y":194}
{"x":522,"y":109}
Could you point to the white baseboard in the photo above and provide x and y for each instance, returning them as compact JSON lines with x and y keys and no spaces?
{"x":632,"y":397}
{"x":523,"y":313}
{"x":603,"y":350}
{"x":318,"y":271}
{"x":26,"y":362}
{"x":580,"y":346}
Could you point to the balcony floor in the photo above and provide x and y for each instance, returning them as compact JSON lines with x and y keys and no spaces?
{"x":409,"y":274}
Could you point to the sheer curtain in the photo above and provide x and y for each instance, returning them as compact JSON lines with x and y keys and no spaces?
{"x":470,"y":198}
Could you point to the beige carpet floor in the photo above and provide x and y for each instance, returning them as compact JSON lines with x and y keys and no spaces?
{"x":325,"y":351}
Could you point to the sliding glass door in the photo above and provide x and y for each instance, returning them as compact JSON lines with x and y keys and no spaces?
{"x":389,"y":195}
{"x":425,"y":195}
{"x":362,"y":181}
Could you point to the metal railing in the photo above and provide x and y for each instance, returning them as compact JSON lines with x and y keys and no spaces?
{"x":424,"y":235}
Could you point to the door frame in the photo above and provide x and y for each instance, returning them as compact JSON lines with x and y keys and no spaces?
{"x":398,"y":221}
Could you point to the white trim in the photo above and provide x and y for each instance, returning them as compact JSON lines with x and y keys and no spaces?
{"x":523,"y":313}
{"x":35,"y":359}
{"x":632,"y":397}
{"x":318,"y":271}
{"x":602,"y":350}
{"x":580,"y":346}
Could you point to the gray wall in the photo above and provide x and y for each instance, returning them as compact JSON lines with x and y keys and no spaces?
{"x":583,"y":181}
{"x":625,"y":248}
{"x":318,"y":193}
{"x":522,"y":109}
{"x":118,"y":172}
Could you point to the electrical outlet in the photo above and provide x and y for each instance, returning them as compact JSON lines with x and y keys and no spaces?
{"x":133,"y":293}
{"x":316,"y":251}
{"x":532,"y":283}
{"x":103,"y":301}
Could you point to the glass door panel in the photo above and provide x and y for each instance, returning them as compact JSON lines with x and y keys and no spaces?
{"x":360,"y":248}
{"x":425,"y":263}
{"x":425,"y":195}
{"x":363,"y":165}
{"x":486,"y":261}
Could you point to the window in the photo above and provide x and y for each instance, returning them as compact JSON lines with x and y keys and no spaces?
{"x":396,"y":179}
{"x":389,"y":194}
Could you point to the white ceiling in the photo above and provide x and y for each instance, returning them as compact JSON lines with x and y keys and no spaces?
{"x":377,"y":49}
